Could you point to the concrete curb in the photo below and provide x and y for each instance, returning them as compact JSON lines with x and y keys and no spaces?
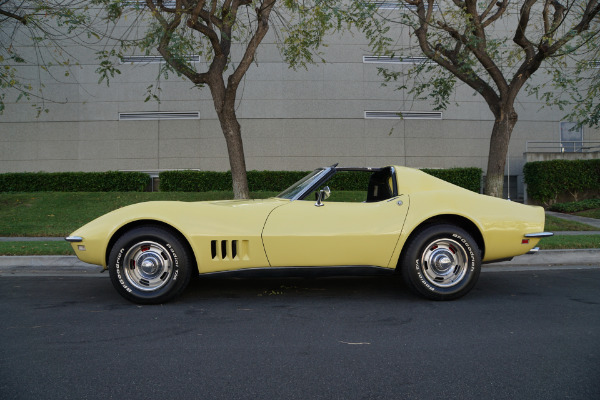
{"x":555,"y":257}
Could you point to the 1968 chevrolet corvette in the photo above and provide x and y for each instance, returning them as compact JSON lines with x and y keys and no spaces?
{"x":435,"y":234}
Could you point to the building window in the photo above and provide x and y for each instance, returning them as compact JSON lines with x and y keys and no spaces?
{"x":571,"y":137}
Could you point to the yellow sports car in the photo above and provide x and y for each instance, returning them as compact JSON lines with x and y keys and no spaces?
{"x":435,"y":234}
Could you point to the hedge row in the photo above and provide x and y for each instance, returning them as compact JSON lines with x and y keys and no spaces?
{"x":203,"y":181}
{"x":111,"y":181}
{"x":200,"y":181}
{"x":546,"y":180}
{"x":206,"y":181}
{"x":468,"y":178}
{"x":576,"y":206}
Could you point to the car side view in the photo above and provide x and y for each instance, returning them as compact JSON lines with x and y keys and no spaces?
{"x":435,"y":234}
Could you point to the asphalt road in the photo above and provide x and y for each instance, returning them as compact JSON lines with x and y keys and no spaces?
{"x":518,"y":335}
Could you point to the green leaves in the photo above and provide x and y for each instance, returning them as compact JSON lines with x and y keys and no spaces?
{"x":547,"y":180}
{"x":106,"y":68}
{"x":111,"y":181}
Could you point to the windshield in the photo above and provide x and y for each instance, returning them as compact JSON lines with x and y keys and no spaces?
{"x":297,"y":188}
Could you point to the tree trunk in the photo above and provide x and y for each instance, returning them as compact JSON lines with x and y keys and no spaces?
{"x":235,"y":149}
{"x":503,"y":127}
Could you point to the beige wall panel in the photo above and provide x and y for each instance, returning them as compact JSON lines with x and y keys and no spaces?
{"x":266,"y":72}
{"x":99,"y":111}
{"x":259,"y":147}
{"x":212,"y":147}
{"x":57,"y":150}
{"x":181,"y":129}
{"x":184,"y":148}
{"x":591,"y":134}
{"x":447,"y":148}
{"x":344,"y":90}
{"x":137,"y":130}
{"x":382,"y":161}
{"x":319,"y":128}
{"x":262,"y":90}
{"x":18,"y":151}
{"x":137,"y":149}
{"x":181,"y":163}
{"x":111,"y":164}
{"x":98,"y":130}
{"x":257,"y":128}
{"x":343,"y":71}
{"x":444,"y":162}
{"x":216,"y":163}
{"x":98,"y":149}
{"x":312,"y":72}
{"x":303,"y":90}
{"x":388,"y":146}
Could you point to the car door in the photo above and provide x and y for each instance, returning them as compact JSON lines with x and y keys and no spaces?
{"x":302,"y":234}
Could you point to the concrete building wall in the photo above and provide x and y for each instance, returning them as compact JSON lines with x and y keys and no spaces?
{"x":291,"y":120}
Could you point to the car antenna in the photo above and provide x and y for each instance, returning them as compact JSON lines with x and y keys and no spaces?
{"x":334,"y":165}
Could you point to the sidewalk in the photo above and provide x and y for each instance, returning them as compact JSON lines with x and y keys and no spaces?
{"x":584,"y":220}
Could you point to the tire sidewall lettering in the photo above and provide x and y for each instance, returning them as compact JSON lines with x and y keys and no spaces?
{"x":175,"y":261}
{"x":118,"y":268}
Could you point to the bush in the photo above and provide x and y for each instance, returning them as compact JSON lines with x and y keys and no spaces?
{"x":111,"y":181}
{"x":576,"y":206}
{"x":204,"y":181}
{"x":195,"y":181}
{"x":468,"y":178}
{"x":547,"y":180}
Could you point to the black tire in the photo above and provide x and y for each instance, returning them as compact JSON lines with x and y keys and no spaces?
{"x":441,"y":262}
{"x":149,"y":265}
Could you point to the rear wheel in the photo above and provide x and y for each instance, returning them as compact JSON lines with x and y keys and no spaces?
{"x":149,"y":265}
{"x":442,"y":262}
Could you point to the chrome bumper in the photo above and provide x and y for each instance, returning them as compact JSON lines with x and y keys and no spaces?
{"x":533,"y":251}
{"x":539,"y":235}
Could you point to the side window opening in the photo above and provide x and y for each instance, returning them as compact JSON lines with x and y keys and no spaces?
{"x":359,"y":186}
{"x":379,"y":186}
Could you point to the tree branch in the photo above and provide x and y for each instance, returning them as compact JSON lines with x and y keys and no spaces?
{"x":21,"y":19}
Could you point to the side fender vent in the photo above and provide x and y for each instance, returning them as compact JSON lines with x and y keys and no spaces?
{"x":229,"y":250}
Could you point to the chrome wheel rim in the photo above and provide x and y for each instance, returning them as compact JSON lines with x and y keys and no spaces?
{"x":444,"y":262}
{"x":148,"y":266}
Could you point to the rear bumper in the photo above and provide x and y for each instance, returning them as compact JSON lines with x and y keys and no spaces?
{"x":539,"y":235}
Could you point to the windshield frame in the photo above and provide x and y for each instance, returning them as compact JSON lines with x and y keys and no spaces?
{"x":306,"y":185}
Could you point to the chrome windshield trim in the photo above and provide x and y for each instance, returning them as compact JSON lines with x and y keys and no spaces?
{"x":315,"y":182}
{"x":74,"y":239}
{"x":539,"y":235}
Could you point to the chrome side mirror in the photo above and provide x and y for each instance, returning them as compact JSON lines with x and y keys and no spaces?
{"x":323,"y":194}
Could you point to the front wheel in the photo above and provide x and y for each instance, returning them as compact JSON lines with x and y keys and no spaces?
{"x":149,"y":265}
{"x":442,"y":262}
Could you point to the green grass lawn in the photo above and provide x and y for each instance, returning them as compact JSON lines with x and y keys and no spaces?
{"x":59,"y":214}
{"x":570,"y":242}
{"x":35,"y":249}
{"x":555,"y":224}
{"x":589,"y":213}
